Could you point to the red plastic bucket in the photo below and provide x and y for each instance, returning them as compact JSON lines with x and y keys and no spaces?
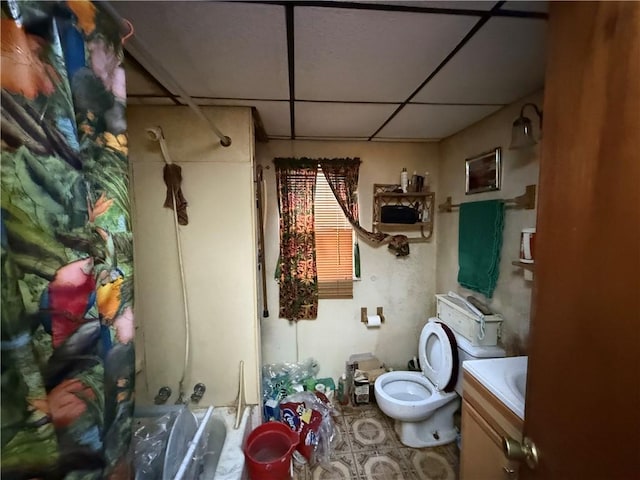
{"x":268,"y":451}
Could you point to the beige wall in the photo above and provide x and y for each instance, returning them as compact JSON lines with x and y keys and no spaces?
{"x":219,"y":246}
{"x":220,"y":252}
{"x":512,"y":297}
{"x":404,"y":287}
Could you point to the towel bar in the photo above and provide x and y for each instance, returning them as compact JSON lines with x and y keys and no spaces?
{"x":525,"y":201}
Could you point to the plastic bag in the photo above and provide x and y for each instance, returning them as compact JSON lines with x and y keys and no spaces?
{"x":150,"y":438}
{"x":282,"y":379}
{"x":205,"y":458}
{"x":309,"y":414}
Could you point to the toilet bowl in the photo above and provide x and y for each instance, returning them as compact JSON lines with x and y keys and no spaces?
{"x":423,"y":403}
{"x":423,"y":415}
{"x":410,"y":396}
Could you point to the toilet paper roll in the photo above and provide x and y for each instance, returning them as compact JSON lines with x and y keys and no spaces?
{"x":373,"y":321}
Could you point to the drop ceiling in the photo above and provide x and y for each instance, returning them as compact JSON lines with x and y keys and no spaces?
{"x":390,"y":71}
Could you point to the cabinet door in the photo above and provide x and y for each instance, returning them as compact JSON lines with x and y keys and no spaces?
{"x":482,"y":457}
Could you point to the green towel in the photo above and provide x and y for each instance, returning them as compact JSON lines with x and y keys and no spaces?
{"x":479,"y":245}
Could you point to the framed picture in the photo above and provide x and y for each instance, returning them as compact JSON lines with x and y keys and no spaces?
{"x":483,"y":172}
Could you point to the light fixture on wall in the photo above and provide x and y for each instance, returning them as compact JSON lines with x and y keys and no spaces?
{"x":522,"y":130}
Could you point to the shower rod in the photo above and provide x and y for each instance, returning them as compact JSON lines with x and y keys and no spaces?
{"x":137,"y":50}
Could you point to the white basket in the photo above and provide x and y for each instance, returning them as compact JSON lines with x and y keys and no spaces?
{"x":455,"y":314}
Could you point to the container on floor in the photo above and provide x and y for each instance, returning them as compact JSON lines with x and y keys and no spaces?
{"x":268,"y":451}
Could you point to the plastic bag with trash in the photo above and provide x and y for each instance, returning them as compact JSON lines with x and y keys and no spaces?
{"x":309,"y":414}
{"x":150,"y":438}
{"x":282,"y":379}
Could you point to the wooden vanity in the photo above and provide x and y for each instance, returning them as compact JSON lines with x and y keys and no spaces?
{"x":485,"y":421}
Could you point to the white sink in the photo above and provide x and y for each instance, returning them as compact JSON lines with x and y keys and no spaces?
{"x":517,"y":381}
{"x":506,"y":378}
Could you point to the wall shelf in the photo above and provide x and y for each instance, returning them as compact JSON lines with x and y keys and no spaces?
{"x":528,"y":269}
{"x":527,"y":266}
{"x":422,"y":202}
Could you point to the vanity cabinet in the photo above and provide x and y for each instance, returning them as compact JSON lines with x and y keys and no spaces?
{"x":485,"y":421}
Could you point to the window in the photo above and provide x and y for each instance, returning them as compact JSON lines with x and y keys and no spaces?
{"x":334,"y":244}
{"x":316,"y":259}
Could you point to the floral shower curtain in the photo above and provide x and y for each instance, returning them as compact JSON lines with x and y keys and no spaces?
{"x":68,"y":361}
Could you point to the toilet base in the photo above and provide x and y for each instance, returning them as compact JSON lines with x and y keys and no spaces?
{"x":436,"y":430}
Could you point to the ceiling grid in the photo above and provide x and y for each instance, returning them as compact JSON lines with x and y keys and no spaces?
{"x":408,"y":70}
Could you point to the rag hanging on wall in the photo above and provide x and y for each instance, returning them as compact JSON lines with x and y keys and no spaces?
{"x":172,"y":175}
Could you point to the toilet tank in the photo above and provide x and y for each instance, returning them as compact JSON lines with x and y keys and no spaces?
{"x":467,"y":351}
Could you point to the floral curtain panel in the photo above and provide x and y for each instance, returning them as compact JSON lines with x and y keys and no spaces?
{"x":298,"y":277}
{"x":67,"y":328}
{"x":342,"y":177}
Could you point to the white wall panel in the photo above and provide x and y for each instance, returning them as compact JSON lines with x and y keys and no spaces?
{"x":219,"y":253}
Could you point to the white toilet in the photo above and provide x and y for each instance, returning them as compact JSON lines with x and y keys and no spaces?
{"x":423,"y":403}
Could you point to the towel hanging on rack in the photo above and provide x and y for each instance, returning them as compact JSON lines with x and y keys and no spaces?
{"x":479,"y":245}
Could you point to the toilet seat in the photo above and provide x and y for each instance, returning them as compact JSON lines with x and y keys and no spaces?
{"x":438,"y":353}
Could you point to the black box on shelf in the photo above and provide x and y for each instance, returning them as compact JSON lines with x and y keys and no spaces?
{"x":398,"y":214}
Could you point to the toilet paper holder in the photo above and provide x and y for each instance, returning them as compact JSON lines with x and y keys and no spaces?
{"x":363,"y":314}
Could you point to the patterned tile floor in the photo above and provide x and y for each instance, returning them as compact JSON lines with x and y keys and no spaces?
{"x":367,"y":448}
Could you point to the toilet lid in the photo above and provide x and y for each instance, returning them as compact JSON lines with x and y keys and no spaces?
{"x":439,"y":355}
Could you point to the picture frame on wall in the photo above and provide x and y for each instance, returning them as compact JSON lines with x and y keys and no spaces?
{"x":483,"y":172}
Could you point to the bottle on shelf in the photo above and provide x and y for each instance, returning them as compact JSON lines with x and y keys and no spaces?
{"x":413,"y":186}
{"x":427,"y":184}
{"x":404,"y":180}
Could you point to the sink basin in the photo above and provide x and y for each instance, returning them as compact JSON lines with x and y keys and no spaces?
{"x":506,"y":378}
{"x":517,"y":381}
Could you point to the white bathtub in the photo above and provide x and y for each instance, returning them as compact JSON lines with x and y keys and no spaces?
{"x":219,"y":453}
{"x":223,"y":458}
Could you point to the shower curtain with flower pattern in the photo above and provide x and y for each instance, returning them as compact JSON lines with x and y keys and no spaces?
{"x":67,"y":329}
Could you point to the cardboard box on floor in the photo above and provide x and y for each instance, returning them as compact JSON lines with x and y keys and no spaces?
{"x":363,"y":368}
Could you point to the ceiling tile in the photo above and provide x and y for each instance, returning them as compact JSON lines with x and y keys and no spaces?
{"x":434,"y":121}
{"x":451,"y":4}
{"x":215,"y":49}
{"x":365,"y":56}
{"x":275,"y":115}
{"x":526,"y":6}
{"x":504,"y":61}
{"x":138,"y":82}
{"x":467,"y":5}
{"x":351,"y":120}
{"x":237,"y":50}
{"x":149,"y":101}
